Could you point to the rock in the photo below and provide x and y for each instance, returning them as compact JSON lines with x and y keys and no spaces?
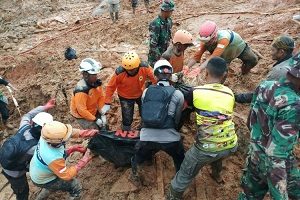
{"x":250,"y":24}
{"x":15,"y":40}
{"x":7,"y":46}
{"x":123,"y":184}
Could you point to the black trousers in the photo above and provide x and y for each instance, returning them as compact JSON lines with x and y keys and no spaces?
{"x":19,"y":186}
{"x":127,"y":107}
{"x":145,"y":150}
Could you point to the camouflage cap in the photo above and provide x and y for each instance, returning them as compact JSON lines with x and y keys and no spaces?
{"x":167,"y":5}
{"x":295,"y":70}
{"x":284,"y":42}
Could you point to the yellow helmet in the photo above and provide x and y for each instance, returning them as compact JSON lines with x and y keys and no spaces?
{"x":56,"y":132}
{"x":130,"y":60}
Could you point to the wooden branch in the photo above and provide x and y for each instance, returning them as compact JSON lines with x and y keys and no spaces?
{"x":258,"y":54}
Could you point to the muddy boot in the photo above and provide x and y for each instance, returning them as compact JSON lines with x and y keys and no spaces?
{"x":216,"y":168}
{"x":245,"y":69}
{"x":112,"y":17}
{"x":173,"y":195}
{"x":147,"y":8}
{"x":133,"y":10}
{"x":44,"y":194}
{"x":117,"y":16}
{"x":134,"y":177}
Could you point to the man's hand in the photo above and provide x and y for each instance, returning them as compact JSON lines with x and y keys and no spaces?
{"x":88,"y":133}
{"x":74,"y":148}
{"x":50,"y":104}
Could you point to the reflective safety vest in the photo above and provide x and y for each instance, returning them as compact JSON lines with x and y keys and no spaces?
{"x":214,"y":108}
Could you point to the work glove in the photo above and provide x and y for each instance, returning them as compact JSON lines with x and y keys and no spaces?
{"x":105,"y":108}
{"x":50,"y":104}
{"x":84,"y":160}
{"x":194,"y":73}
{"x":104,"y":121}
{"x":99,"y":122}
{"x":185,"y":70}
{"x":174,"y":78}
{"x":88,"y":133}
{"x":74,"y":148}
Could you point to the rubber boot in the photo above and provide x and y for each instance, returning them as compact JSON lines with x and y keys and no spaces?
{"x":245,"y":69}
{"x":112,"y":17}
{"x":147,"y":7}
{"x":44,"y":194}
{"x":133,"y":10}
{"x":134,"y":177}
{"x":174,"y":195}
{"x":216,"y":168}
{"x":117,"y":16}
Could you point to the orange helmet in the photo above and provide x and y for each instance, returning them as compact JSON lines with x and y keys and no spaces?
{"x":56,"y":132}
{"x":183,"y":37}
{"x":130,"y":60}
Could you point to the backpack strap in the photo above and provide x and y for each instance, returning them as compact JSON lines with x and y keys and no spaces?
{"x":231,"y":36}
{"x":119,"y":70}
{"x":38,"y":155}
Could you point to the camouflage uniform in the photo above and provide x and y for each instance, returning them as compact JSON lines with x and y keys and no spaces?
{"x":160,"y":36}
{"x":274,"y":122}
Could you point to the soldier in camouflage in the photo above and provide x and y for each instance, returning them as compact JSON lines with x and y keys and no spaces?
{"x":160,"y":32}
{"x":274,"y":123}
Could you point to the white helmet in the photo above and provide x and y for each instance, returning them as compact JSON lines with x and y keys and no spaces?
{"x":90,"y":66}
{"x":42,"y":118}
{"x":162,"y":67}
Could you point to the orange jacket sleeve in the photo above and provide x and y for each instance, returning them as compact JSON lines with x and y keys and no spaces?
{"x":200,"y":52}
{"x":110,"y":89}
{"x":102,"y":99}
{"x":60,"y":169}
{"x":150,"y":75}
{"x":222,"y":44}
{"x":80,"y":102}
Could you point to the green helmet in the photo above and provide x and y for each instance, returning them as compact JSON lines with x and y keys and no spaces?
{"x":167,"y":5}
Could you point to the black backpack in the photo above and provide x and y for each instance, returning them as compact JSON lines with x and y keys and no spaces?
{"x":155,"y":107}
{"x":13,"y":151}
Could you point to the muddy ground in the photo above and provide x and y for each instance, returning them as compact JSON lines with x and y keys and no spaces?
{"x":34,"y":35}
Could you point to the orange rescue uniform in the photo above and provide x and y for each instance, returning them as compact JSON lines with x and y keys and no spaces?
{"x":86,"y":101}
{"x":129,"y":87}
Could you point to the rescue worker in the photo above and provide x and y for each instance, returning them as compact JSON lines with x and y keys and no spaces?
{"x":48,"y":168}
{"x":129,"y":80}
{"x":175,"y":53}
{"x":134,"y":4}
{"x":114,"y":7}
{"x":282,"y":52}
{"x":88,"y":97}
{"x":274,"y":123}
{"x":224,"y":43}
{"x":160,"y":32}
{"x":3,"y":104}
{"x":216,"y":137}
{"x":17,"y":151}
{"x":161,"y":112}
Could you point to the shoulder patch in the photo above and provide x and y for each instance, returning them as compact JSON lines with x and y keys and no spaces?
{"x":144,"y":64}
{"x":119,"y":70}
